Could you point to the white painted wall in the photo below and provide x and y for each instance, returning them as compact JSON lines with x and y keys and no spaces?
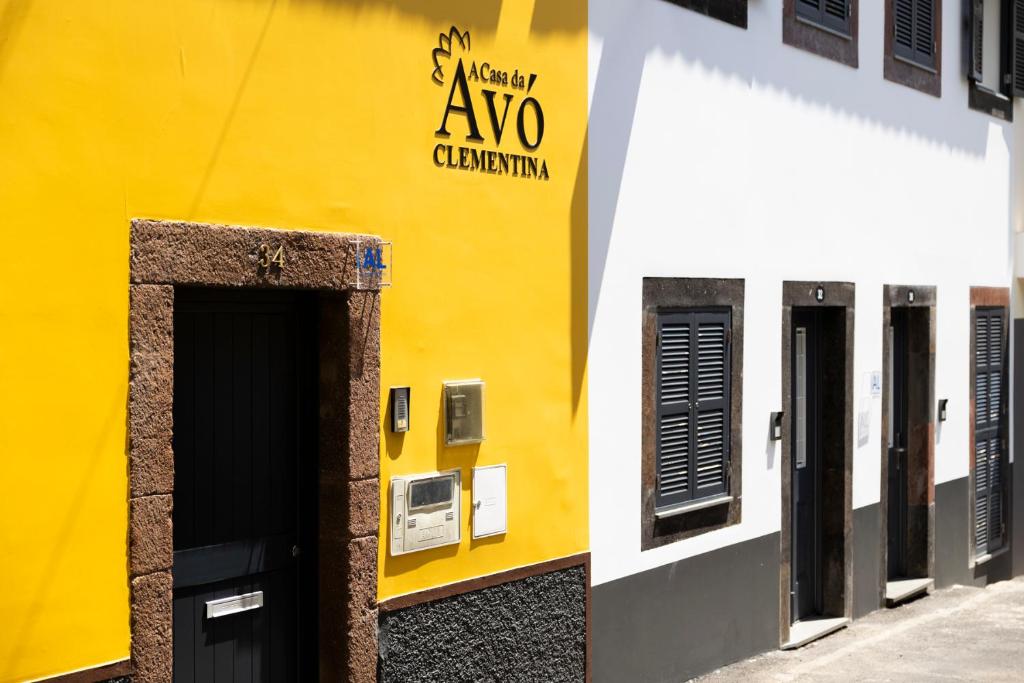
{"x":718,"y":152}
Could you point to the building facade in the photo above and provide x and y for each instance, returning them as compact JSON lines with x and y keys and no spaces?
{"x":802,"y":223}
{"x":330,"y":348}
{"x":284,"y":266}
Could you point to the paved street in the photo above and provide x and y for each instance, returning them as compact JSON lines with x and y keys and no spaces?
{"x":957,"y":634}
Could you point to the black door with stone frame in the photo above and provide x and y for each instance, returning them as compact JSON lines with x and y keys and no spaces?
{"x":244,"y":486}
{"x":899,"y":426}
{"x":806,"y":570}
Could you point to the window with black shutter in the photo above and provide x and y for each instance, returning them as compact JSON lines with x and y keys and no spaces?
{"x":827,"y":28}
{"x":692,"y":387}
{"x":914,"y":31}
{"x":691,"y":465}
{"x":833,"y":15}
{"x":913,"y":44}
{"x":990,"y":432}
{"x":990,"y":48}
{"x":730,"y":11}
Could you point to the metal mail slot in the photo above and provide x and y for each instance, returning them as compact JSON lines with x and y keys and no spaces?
{"x":233,"y":605}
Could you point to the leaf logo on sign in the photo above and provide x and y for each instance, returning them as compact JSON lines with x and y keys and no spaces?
{"x":443,"y":51}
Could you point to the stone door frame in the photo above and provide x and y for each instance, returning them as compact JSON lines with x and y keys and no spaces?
{"x":165,"y":255}
{"x":921,"y":442}
{"x":837,"y":582}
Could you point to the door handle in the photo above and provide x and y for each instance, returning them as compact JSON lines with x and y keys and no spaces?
{"x":222,"y":607}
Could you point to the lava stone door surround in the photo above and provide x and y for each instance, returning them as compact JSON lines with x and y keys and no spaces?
{"x":166,"y":255}
{"x":917,"y":478}
{"x":836,"y":465}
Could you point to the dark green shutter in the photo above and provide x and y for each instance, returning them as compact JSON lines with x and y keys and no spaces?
{"x":914,"y":31}
{"x":692,"y":406}
{"x":989,"y":427}
{"x":1017,"y":48}
{"x":830,"y":14}
{"x":976,"y":39}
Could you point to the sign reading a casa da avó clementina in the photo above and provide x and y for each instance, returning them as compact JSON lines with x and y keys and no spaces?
{"x":492,"y":104}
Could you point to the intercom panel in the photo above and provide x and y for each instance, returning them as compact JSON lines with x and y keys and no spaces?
{"x":425,"y":511}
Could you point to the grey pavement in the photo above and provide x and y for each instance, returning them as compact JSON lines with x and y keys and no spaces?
{"x":956,"y":634}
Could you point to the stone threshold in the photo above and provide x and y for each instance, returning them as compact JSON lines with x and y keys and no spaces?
{"x":808,"y":630}
{"x":902,"y":590}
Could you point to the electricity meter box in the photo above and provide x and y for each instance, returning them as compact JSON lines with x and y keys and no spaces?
{"x":425,"y":511}
{"x":463,"y":412}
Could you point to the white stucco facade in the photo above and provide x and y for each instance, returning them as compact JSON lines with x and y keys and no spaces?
{"x":718,"y":152}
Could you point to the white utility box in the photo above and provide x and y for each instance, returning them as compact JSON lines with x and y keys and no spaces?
{"x":425,"y":511}
{"x":490,"y":500}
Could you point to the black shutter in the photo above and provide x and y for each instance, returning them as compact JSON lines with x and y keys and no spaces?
{"x":712,"y":405}
{"x":989,"y":427}
{"x":976,"y":40}
{"x":830,"y":14}
{"x":914,"y":31}
{"x":693,"y":403}
{"x":1017,"y":48}
{"x":673,"y":409}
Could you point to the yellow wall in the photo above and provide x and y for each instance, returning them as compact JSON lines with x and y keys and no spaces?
{"x":313,"y":114}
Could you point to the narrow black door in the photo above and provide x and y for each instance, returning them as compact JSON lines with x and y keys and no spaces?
{"x":244,"y":487}
{"x":806,"y":465}
{"x":898,"y":484}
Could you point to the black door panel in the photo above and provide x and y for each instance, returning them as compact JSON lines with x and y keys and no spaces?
{"x":806,"y":596}
{"x":899,"y":426}
{"x":245,"y":485}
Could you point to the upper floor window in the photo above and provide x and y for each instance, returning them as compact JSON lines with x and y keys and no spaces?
{"x":914,"y":31}
{"x":993,"y":74}
{"x":730,"y":11}
{"x":827,"y":28}
{"x":913,"y":44}
{"x":832,"y":15}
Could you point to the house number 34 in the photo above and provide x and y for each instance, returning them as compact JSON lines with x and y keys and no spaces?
{"x":268,"y":257}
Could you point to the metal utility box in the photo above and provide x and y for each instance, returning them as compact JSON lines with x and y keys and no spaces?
{"x":490,"y":500}
{"x":463,"y":412}
{"x":425,"y":511}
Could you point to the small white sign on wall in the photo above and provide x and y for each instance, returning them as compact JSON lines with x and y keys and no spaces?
{"x":490,"y":500}
{"x":876,"y":384}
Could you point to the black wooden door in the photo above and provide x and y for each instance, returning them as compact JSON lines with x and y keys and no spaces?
{"x":806,"y":596}
{"x":898,"y":484}
{"x":244,"y":487}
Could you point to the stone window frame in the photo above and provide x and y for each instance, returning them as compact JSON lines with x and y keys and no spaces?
{"x":662,"y":293}
{"x":927,"y":80}
{"x":925,"y":297}
{"x":730,"y":11}
{"x":166,"y":254}
{"x":802,"y":294}
{"x":996,"y":103}
{"x":987,"y":297}
{"x":808,"y":36}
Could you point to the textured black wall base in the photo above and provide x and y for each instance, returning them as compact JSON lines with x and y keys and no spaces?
{"x":532,"y":629}
{"x":689,"y":617}
{"x":866,"y":560}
